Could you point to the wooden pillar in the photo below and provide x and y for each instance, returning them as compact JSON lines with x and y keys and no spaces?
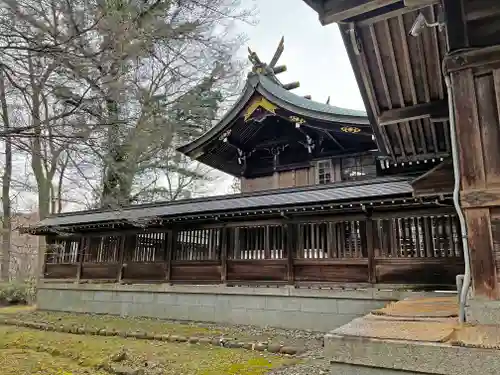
{"x":223,"y":254}
{"x":171,"y":247}
{"x":475,"y":81}
{"x":49,"y":243}
{"x":290,"y":246}
{"x":121,"y":256}
{"x":79,"y":259}
{"x":369,"y":249}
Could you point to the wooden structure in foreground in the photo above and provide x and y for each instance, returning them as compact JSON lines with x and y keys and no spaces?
{"x":402,"y":78}
{"x":321,"y":207}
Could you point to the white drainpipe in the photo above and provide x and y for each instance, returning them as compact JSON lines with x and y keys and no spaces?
{"x":463,"y":293}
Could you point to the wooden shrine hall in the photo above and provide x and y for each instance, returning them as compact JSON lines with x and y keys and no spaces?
{"x":320,"y":205}
{"x":433,"y":66}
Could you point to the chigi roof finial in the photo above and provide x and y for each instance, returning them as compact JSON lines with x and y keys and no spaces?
{"x":271,"y":70}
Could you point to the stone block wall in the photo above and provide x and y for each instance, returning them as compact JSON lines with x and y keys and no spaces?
{"x":320,"y":310}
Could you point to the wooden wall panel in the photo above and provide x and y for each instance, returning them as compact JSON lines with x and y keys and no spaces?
{"x":468,"y":132}
{"x":418,"y":271}
{"x":286,"y":179}
{"x":488,"y":98}
{"x":439,"y":180}
{"x":60,"y":271}
{"x":144,"y":271}
{"x":100,"y":271}
{"x":331,"y":272}
{"x":257,"y":270}
{"x":302,"y":177}
{"x":495,"y":234}
{"x":283,"y":180}
{"x":196,"y":271}
{"x":249,"y":185}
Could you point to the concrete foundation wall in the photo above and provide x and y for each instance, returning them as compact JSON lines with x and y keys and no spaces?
{"x":284,"y":307}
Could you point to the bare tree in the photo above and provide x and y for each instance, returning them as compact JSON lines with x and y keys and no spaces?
{"x":6,"y":184}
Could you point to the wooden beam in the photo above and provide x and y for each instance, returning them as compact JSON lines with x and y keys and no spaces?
{"x":456,"y":25}
{"x":398,"y":12}
{"x":437,"y":108}
{"x":419,"y":3}
{"x":340,"y":10}
{"x":473,"y":58}
{"x":479,"y":9}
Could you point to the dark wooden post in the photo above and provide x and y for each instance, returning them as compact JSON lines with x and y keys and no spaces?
{"x":223,"y":254}
{"x":80,"y":254}
{"x":49,"y":244}
{"x":369,"y":249}
{"x":290,"y":246}
{"x":121,"y":256}
{"x":267,"y":242}
{"x":475,"y":83}
{"x":171,"y":246}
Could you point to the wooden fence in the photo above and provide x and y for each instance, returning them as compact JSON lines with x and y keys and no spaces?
{"x":412,"y":249}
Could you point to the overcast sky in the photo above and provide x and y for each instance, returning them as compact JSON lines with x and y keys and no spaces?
{"x":314,"y":54}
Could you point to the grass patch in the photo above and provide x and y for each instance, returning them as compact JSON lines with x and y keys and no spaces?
{"x":24,"y":351}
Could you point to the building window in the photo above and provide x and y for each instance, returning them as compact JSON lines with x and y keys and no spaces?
{"x":360,"y":167}
{"x":324,"y":172}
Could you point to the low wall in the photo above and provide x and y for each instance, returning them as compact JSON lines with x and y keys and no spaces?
{"x":283,"y":307}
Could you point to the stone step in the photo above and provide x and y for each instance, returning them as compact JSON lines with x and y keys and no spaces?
{"x":378,"y":356}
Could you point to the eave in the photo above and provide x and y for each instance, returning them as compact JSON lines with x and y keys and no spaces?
{"x":340,"y":197}
{"x":262,"y":86}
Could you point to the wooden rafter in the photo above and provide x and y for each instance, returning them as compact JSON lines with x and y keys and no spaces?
{"x":338,"y":11}
{"x":419,"y":111}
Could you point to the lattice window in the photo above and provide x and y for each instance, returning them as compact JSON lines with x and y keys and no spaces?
{"x":257,"y":242}
{"x":101,"y":249}
{"x":356,"y":168}
{"x":198,"y":244}
{"x":63,"y":251}
{"x":324,"y":172}
{"x":419,"y":237}
{"x":145,"y":247}
{"x":330,"y":240}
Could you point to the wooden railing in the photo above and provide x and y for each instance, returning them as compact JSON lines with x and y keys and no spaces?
{"x":414,"y":248}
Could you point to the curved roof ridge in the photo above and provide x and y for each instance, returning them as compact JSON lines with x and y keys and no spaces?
{"x":274,"y":92}
{"x":310,"y":104}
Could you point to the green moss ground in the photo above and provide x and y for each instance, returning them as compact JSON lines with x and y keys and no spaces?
{"x":25,"y":351}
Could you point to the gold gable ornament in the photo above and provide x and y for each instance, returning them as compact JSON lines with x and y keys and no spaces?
{"x":260,"y":103}
{"x":350,"y":129}
{"x":298,"y":121}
